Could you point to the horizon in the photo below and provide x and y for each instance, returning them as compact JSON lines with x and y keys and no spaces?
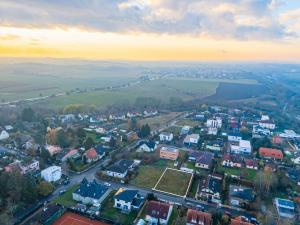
{"x":152,"y":30}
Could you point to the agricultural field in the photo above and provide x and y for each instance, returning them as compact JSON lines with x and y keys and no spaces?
{"x":174,"y":181}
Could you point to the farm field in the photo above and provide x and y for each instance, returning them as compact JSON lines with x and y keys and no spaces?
{"x":174,"y":181}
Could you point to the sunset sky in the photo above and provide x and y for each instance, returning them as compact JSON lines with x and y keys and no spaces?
{"x":259,"y":30}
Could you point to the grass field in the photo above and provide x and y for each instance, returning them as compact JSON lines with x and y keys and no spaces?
{"x":188,"y":122}
{"x":244,"y":173}
{"x":66,"y":198}
{"x":147,"y":176}
{"x":174,"y":181}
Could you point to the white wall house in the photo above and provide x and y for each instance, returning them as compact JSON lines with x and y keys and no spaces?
{"x":164,"y":136}
{"x":214,"y":123}
{"x":244,"y":147}
{"x":4,"y":135}
{"x":234,"y":137}
{"x":51,"y":174}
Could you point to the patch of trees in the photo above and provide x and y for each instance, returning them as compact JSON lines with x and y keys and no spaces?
{"x":144,"y":131}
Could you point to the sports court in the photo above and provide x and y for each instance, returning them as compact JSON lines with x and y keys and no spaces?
{"x":69,"y":218}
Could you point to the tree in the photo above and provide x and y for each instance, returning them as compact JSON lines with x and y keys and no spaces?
{"x":145,"y":131}
{"x":88,"y":143}
{"x":61,"y":139}
{"x":265,"y":181}
{"x":45,"y":188}
{"x":132,"y":124}
{"x":28,"y":114}
{"x":29,"y":193}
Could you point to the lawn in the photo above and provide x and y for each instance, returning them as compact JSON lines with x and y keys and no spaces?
{"x":147,"y":176}
{"x":158,"y":121}
{"x":244,"y":173}
{"x":111,"y":213}
{"x":66,"y":198}
{"x":188,"y":122}
{"x":96,"y":137}
{"x":174,"y":181}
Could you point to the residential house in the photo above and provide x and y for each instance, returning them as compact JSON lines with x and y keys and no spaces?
{"x":289,"y":134}
{"x":191,"y":139}
{"x":185,"y":130}
{"x":147,"y":146}
{"x":266,"y":122}
{"x":270,"y":153}
{"x":210,"y":188}
{"x":215,"y":145}
{"x":120,"y":169}
{"x":277,"y":140}
{"x":233,"y":161}
{"x":212,"y":131}
{"x":260,"y":132}
{"x":132,"y":136}
{"x":23,"y":167}
{"x":102,"y":150}
{"x":91,"y":155}
{"x":168,"y":152}
{"x":234,"y":137}
{"x":251,"y":164}
{"x":53,"y":149}
{"x":4,"y":135}
{"x":51,"y":174}
{"x":240,"y":196}
{"x":214,"y":123}
{"x":195,"y":217}
{"x":166,"y":136}
{"x":158,"y":213}
{"x":72,"y":154}
{"x":202,"y":159}
{"x":128,"y":200}
{"x":243,"y":147}
{"x":91,"y":193}
{"x":240,"y":220}
{"x":285,"y":208}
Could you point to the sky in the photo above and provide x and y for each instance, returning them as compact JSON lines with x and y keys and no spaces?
{"x":223,"y":30}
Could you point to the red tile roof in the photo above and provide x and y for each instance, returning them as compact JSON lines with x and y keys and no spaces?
{"x":91,"y":153}
{"x":270,"y":153}
{"x":239,"y":221}
{"x":196,"y":217}
{"x":158,"y":209}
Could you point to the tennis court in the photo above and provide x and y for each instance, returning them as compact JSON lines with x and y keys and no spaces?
{"x":69,"y":218}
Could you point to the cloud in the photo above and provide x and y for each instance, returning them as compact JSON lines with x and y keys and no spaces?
{"x":240,"y":19}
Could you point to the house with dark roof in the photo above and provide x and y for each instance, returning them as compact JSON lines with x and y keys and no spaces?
{"x":195,"y":217}
{"x":202,"y":159}
{"x":91,"y":193}
{"x":147,"y":146}
{"x":209,"y":189}
{"x":240,"y":196}
{"x":128,"y":200}
{"x":102,"y":150}
{"x":158,"y":212}
{"x":120,"y":169}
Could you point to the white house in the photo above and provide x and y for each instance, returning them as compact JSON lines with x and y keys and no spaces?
{"x":243,"y":147}
{"x":120,"y":169}
{"x":265,"y":122}
{"x":148,"y":146}
{"x":212,"y":131}
{"x":51,"y":174}
{"x":234,"y":137}
{"x":158,"y":213}
{"x":4,"y":135}
{"x":127,"y":200}
{"x":165,"y":136}
{"x":214,"y":123}
{"x":191,"y":139}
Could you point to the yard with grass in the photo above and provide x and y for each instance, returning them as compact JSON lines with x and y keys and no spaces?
{"x":174,"y":182}
{"x":111,"y":213}
{"x":66,"y":199}
{"x":243,"y":173}
{"x":147,"y":176}
{"x":188,"y":122}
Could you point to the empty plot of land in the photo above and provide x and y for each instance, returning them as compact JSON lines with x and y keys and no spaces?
{"x":74,"y":219}
{"x":174,"y":182}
